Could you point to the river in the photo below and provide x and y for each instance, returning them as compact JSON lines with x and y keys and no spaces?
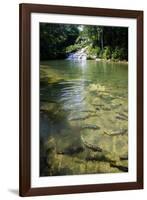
{"x":83,"y":117}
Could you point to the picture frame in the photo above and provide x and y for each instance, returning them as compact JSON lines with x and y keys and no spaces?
{"x":25,"y":142}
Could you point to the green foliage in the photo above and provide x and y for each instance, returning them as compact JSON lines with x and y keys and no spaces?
{"x":57,"y":40}
{"x":73,"y":48}
{"x":119,"y":54}
{"x":93,"y":34}
{"x":54,"y":38}
{"x":106,"y":53}
{"x":93,"y":51}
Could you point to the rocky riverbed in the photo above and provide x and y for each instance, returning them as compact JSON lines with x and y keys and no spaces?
{"x":83,"y":126}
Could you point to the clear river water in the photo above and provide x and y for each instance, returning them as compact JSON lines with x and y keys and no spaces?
{"x":83,"y":117}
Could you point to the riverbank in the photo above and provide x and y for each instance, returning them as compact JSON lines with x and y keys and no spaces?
{"x":96,"y":59}
{"x":89,"y":53}
{"x":112,"y":61}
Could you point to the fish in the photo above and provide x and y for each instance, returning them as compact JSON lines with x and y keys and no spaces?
{"x":114,"y":106}
{"x":90,"y":126}
{"x":122,"y":114}
{"x":77,"y":118}
{"x":91,"y":146}
{"x":106,"y":109}
{"x":120,"y":117}
{"x":116,"y":133}
{"x":122,"y":168}
{"x":125,"y":157}
{"x":99,"y":105}
{"x":71,"y":151}
{"x":81,"y":118}
{"x":91,"y":111}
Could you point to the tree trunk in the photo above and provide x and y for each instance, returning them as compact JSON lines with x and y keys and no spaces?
{"x":102,"y":42}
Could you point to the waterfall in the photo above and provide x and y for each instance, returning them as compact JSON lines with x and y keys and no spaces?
{"x":78,"y":55}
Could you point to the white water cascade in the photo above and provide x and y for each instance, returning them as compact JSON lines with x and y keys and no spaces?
{"x":79,"y":55}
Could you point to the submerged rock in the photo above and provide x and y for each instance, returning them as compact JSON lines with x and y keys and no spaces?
{"x":96,"y":88}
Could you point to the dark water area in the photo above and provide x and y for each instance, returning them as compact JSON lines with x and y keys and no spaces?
{"x":83,"y":117}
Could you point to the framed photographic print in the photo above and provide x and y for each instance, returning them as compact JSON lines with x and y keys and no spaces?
{"x":81,"y":99}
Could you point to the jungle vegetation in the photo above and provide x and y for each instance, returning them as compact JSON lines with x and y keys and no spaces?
{"x":57,"y":41}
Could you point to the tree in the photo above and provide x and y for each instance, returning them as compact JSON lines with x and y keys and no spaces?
{"x":54,"y":38}
{"x":57,"y":40}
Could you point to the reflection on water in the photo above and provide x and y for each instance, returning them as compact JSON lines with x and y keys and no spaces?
{"x":83,"y":117}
